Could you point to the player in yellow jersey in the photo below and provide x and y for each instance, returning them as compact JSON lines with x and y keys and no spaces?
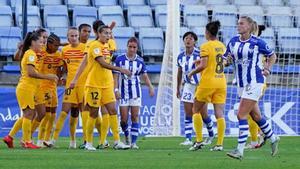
{"x":84,"y":32}
{"x":72,"y":55}
{"x":211,"y":88}
{"x":48,"y":90}
{"x":28,"y":84}
{"x":18,"y":124}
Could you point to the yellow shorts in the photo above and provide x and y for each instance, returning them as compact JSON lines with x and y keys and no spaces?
{"x":51,"y":98}
{"x":25,"y":98}
{"x":39,"y":97}
{"x":74,"y":95}
{"x":96,"y":97}
{"x":211,"y":95}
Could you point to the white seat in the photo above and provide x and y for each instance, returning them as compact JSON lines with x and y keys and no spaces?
{"x":111,"y":13}
{"x":289,"y":40}
{"x":226,"y":14}
{"x":121,"y":35}
{"x":140,"y":16}
{"x":195,"y":15}
{"x":151,"y":41}
{"x":33,"y":16}
{"x":279,"y":16}
{"x":255,"y":12}
{"x":244,"y":2}
{"x":6,"y":16}
{"x":56,"y":16}
{"x":161,"y":16}
{"x":84,"y":14}
{"x":270,"y":2}
{"x":268,"y":36}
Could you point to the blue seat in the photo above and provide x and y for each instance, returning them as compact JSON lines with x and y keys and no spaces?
{"x":16,"y":3}
{"x":297,"y":15}
{"x":216,"y":2}
{"x":293,"y":3}
{"x":151,"y":41}
{"x":84,"y":14}
{"x":244,"y":2}
{"x":9,"y":38}
{"x":121,"y":35}
{"x":4,"y":3}
{"x":277,"y":69}
{"x":292,"y":69}
{"x":226,"y":14}
{"x":111,"y":13}
{"x":72,"y":3}
{"x":195,"y":15}
{"x":33,"y":16}
{"x":255,"y":12}
{"x":279,"y":16}
{"x":289,"y":40}
{"x":126,"y":3}
{"x":6,"y":16}
{"x":56,"y":16}
{"x":161,"y":16}
{"x":140,"y":16}
{"x":60,"y":32}
{"x":270,"y":3}
{"x":43,"y":3}
{"x":98,"y":3}
{"x":11,"y":69}
{"x":154,"y":3}
{"x":153,"y":68}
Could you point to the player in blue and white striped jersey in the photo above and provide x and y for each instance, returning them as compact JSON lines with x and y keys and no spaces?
{"x":128,"y":89}
{"x":246,"y":52}
{"x":185,"y":63}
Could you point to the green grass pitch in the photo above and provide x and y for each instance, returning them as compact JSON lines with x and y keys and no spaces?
{"x":153,"y":153}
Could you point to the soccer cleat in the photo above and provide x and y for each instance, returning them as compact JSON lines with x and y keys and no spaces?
{"x":252,"y":146}
{"x":82,"y":146}
{"x":235,"y":154}
{"x":40,"y":143}
{"x":208,"y":141}
{"x":274,"y":146}
{"x":196,"y":146}
{"x":121,"y":146}
{"x":30,"y":145}
{"x":9,"y":141}
{"x":186,"y":142}
{"x":217,"y":148}
{"x":100,"y":147}
{"x":134,"y":146}
{"x":89,"y":147}
{"x":49,"y":144}
{"x":106,"y":144}
{"x":261,"y":140}
{"x":72,"y":145}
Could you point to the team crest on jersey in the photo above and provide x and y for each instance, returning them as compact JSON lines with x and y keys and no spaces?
{"x":97,"y":51}
{"x":31,"y":58}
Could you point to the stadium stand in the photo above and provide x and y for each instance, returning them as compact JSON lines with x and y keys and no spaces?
{"x":43,"y":3}
{"x":255,"y":12}
{"x":140,"y":16}
{"x":292,"y":3}
{"x":195,"y":15}
{"x":269,"y":36}
{"x":279,"y":16}
{"x":72,"y":3}
{"x":126,"y":3}
{"x":289,"y":40}
{"x":13,"y":3}
{"x":151,"y":41}
{"x":226,"y":14}
{"x":6,"y":16}
{"x":270,"y":3}
{"x":33,"y":16}
{"x":84,"y":14}
{"x":111,"y":13}
{"x":200,"y":32}
{"x":216,"y":2}
{"x":244,"y":2}
{"x":154,"y":3}
{"x":122,"y":34}
{"x":9,"y":38}
{"x":161,"y":16}
{"x":56,"y":16}
{"x":98,"y":3}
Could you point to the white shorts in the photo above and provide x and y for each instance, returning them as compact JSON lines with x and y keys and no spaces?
{"x":251,"y":91}
{"x":131,"y":102}
{"x":188,"y":93}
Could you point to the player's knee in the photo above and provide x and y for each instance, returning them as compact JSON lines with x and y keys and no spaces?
{"x":123,"y":124}
{"x":74,"y":112}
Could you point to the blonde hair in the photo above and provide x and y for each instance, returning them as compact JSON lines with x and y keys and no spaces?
{"x":254,"y":28}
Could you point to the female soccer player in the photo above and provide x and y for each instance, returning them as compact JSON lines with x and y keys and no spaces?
{"x":28,"y":84}
{"x":128,"y":89}
{"x":247,"y":52}
{"x":185,"y":63}
{"x":211,"y":88}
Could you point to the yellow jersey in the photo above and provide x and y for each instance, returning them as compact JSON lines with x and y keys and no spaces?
{"x":112,"y":45}
{"x":99,"y":76}
{"x":50,"y":65}
{"x":213,"y":75}
{"x":26,"y":82}
{"x":73,"y":56}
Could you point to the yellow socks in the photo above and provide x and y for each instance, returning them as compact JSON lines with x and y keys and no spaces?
{"x":104,"y":128}
{"x":198,"y":125}
{"x":89,"y":129}
{"x":42,"y":127}
{"x":84,"y":117}
{"x":253,"y":129}
{"x":98,"y":127}
{"x":26,"y":129}
{"x":73,"y":125}
{"x":17,"y":126}
{"x":49,"y":127}
{"x":59,"y":124}
{"x":113,"y":120}
{"x":34,"y":125}
{"x":221,"y":125}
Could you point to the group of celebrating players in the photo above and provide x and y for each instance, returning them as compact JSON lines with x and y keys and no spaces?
{"x":94,"y":80}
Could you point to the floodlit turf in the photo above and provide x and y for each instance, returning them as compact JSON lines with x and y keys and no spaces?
{"x":153,"y":153}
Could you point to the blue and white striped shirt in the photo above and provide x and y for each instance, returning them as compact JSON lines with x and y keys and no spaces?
{"x":130,"y":87}
{"x":187,"y":65}
{"x":248,"y":59}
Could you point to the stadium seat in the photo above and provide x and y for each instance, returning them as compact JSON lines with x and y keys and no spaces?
{"x":11,"y":69}
{"x":60,"y":32}
{"x":121,"y":35}
{"x":277,"y":69}
{"x":289,"y":40}
{"x":200,"y":32}
{"x":126,"y":3}
{"x":226,"y":14}
{"x":161,"y":16}
{"x":4,"y":3}
{"x":9,"y":38}
{"x":111,"y":13}
{"x":293,"y":3}
{"x":216,"y":2}
{"x":268,"y":36}
{"x":228,"y":32}
{"x":183,"y":30}
{"x":270,"y":2}
{"x":56,"y":16}
{"x":43,"y":3}
{"x":33,"y":16}
{"x":15,"y":3}
{"x":98,"y":3}
{"x":72,"y":3}
{"x":84,"y":14}
{"x":6,"y":16}
{"x":154,"y":3}
{"x":139,"y":16}
{"x":297,"y":16}
{"x":153,"y":68}
{"x":244,"y":2}
{"x":293,"y":69}
{"x":195,"y":15}
{"x":255,"y":12}
{"x":279,"y":16}
{"x":151,"y":41}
